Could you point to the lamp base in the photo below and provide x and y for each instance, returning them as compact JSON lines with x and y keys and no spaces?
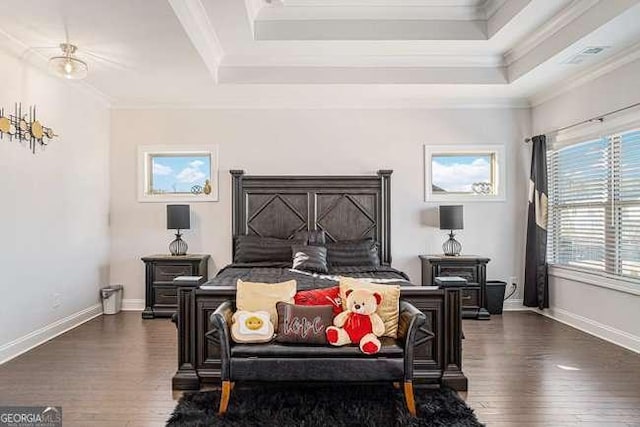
{"x":178,"y":247}
{"x":451,"y":247}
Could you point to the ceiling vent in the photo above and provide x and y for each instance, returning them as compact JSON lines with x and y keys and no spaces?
{"x":586,"y":54}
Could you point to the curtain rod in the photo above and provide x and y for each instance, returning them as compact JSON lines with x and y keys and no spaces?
{"x":599,"y":118}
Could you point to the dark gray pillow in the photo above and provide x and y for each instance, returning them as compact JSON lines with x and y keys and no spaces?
{"x":310,"y":258}
{"x":303,"y":323}
{"x":361,"y":253}
{"x":260,"y":249}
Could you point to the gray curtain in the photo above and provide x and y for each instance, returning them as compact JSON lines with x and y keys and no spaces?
{"x":536,"y":285}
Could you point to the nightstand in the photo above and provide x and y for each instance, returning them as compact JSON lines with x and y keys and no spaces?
{"x":160,"y":291}
{"x":472,"y":268}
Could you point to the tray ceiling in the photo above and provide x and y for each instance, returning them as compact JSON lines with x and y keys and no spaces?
{"x":320,"y":53}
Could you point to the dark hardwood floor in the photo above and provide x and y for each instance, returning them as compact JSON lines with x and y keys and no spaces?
{"x":116,"y":371}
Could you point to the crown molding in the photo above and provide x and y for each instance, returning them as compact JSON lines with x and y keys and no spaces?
{"x":400,"y":11}
{"x":417,"y":9}
{"x":503,"y":15}
{"x":490,"y":7}
{"x":382,"y":104}
{"x":620,"y":59}
{"x":363,"y":61}
{"x":380,"y":3}
{"x":253,"y":8}
{"x":195,"y":21}
{"x":551,"y":27}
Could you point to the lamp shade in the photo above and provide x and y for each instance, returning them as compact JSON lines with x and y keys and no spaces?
{"x":178,"y":217}
{"x":67,"y":65}
{"x":451,"y":217}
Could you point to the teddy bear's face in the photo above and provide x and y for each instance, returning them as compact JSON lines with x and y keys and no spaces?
{"x":362,"y":301}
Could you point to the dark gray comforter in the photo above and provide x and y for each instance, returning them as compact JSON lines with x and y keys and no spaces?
{"x":279,"y":272}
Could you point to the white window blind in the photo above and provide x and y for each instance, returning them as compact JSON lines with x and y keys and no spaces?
{"x":594,"y":205}
{"x":629,"y":204}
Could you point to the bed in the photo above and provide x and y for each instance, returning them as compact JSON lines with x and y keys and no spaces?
{"x":343,"y":208}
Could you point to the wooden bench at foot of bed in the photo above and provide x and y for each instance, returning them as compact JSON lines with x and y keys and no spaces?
{"x":438,"y":361}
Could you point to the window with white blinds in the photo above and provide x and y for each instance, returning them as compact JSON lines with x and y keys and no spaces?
{"x":594,"y":205}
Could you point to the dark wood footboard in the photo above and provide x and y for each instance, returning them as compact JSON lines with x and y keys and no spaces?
{"x":438,"y":361}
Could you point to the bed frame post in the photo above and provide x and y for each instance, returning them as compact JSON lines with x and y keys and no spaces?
{"x":186,"y":378}
{"x":452,"y":375}
{"x":385,"y":217}
{"x":236,"y":206}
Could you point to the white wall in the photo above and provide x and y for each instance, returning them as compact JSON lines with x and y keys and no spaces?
{"x":54,"y":210}
{"x":611,"y":314}
{"x":319,"y":142}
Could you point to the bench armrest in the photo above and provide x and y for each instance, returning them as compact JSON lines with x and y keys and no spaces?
{"x":412,"y":332}
{"x":219,"y":335}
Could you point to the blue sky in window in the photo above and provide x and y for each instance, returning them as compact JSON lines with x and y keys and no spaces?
{"x":178,"y":174}
{"x":457,"y":173}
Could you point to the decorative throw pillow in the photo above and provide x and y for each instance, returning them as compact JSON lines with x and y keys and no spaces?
{"x":264,"y":296}
{"x":353,"y":253}
{"x":389,"y":310}
{"x":303,"y":324}
{"x":310,"y":258}
{"x":260,"y":249}
{"x":326,"y":296}
{"x":251,"y":327}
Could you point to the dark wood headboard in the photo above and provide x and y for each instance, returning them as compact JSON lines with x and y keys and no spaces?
{"x":345,"y":207}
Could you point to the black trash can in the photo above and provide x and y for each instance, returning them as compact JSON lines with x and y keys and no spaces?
{"x":495,"y":296}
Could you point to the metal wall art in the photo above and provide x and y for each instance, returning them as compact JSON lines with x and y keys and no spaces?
{"x":24,"y":127}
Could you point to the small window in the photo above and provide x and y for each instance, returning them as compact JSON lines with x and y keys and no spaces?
{"x":175,"y":174}
{"x":464,"y":173}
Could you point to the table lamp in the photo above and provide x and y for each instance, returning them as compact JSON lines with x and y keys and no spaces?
{"x":451,"y":218}
{"x":178,"y":219}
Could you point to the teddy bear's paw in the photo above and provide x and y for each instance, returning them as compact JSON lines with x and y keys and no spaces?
{"x":370,"y":347}
{"x":332,"y":335}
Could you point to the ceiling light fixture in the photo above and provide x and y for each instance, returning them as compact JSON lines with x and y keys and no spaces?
{"x":68,"y":66}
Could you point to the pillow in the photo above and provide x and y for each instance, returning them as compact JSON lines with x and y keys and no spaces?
{"x":259,"y":249}
{"x":353,"y":252}
{"x":311,"y":237}
{"x":326,"y":296}
{"x":251,"y":327}
{"x":264,"y":296}
{"x":310,"y":258}
{"x":303,"y":324}
{"x":389,"y":310}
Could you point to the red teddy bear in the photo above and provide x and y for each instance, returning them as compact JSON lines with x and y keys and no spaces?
{"x":359,"y":323}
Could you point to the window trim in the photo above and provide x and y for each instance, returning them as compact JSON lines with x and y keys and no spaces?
{"x":498,"y":170}
{"x":144,"y":177}
{"x":595,"y":278}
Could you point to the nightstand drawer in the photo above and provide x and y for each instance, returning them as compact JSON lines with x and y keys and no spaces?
{"x":168,"y":272}
{"x":165,"y":295}
{"x":470,"y":297}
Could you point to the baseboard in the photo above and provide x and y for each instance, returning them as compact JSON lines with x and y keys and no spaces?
{"x":592,"y":327}
{"x":132,"y":304}
{"x":514,"y":305}
{"x":27,"y":342}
